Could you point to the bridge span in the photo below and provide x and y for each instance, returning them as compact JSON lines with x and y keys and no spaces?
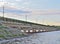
{"x":25,"y":26}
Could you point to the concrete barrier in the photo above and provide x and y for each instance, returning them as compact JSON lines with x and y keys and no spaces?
{"x":22,"y":30}
{"x":37,"y":30}
{"x":31,"y":31}
{"x":41,"y":30}
{"x":27,"y":30}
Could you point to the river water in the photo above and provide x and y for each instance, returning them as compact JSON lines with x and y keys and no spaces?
{"x":38,"y":38}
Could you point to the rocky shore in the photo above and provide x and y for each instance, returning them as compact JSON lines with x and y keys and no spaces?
{"x":37,"y":38}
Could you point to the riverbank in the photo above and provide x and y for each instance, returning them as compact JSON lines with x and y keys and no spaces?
{"x":37,"y":38}
{"x":10,"y":32}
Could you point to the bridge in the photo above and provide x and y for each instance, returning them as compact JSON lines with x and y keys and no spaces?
{"x":25,"y":26}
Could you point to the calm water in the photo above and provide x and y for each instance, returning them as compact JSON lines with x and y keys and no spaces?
{"x":39,"y":38}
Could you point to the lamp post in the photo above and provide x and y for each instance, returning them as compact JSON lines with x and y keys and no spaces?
{"x":26,"y":17}
{"x":3,"y":12}
{"x":3,"y":8}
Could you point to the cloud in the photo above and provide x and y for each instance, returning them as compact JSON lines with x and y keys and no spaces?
{"x":2,"y":3}
{"x":51,"y":23}
{"x":20,"y":4}
{"x":18,"y":0}
{"x":45,"y":12}
{"x":12,"y":15}
{"x":15,"y":11}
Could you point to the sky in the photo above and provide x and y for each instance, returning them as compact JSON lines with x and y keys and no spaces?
{"x":38,"y":11}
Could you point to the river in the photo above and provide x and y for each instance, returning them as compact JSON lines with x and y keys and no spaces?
{"x":37,"y":38}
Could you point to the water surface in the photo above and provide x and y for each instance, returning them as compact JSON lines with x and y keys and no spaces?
{"x":39,"y":38}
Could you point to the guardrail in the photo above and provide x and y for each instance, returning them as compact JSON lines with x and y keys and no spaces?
{"x":33,"y":31}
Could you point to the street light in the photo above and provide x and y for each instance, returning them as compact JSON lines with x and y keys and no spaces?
{"x":3,"y":13}
{"x":26,"y":17}
{"x":3,"y":7}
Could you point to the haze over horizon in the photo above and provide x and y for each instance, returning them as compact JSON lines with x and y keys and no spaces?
{"x":38,"y":11}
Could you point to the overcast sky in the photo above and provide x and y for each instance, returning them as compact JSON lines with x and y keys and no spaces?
{"x":39,"y":11}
